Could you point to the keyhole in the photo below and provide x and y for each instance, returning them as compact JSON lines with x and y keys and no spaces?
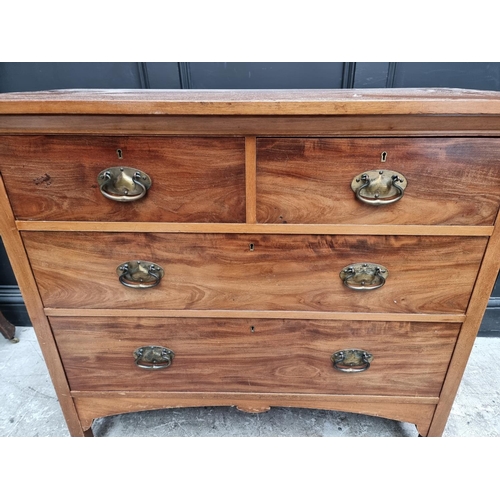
{"x":252,"y":329}
{"x":119,"y":152}
{"x":252,"y":247}
{"x":383,"y":157}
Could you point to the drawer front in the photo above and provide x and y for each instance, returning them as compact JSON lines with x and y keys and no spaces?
{"x":260,"y":272}
{"x":242,"y":355}
{"x":192,"y":179}
{"x":449,"y":181}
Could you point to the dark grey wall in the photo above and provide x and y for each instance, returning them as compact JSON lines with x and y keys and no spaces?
{"x":15,"y":77}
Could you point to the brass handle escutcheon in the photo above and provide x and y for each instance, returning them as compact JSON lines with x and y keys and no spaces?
{"x":153,"y":357}
{"x":379,"y":187}
{"x":352,"y":360}
{"x":366,"y":276}
{"x":123,"y":183}
{"x":139,"y":274}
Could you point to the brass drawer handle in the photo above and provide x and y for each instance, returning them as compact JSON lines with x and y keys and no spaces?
{"x":140,"y":274}
{"x":379,"y":187}
{"x":352,"y":360}
{"x":123,"y":183}
{"x":364,"y":276}
{"x":153,"y":357}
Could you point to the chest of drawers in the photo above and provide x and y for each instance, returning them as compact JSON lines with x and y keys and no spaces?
{"x":316,"y":249}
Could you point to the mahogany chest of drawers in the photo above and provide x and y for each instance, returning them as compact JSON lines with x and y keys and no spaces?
{"x":317,"y":249}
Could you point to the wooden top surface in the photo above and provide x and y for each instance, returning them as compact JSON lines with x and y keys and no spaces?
{"x":253,"y":102}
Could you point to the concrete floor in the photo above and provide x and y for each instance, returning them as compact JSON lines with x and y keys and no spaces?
{"x":29,"y":406}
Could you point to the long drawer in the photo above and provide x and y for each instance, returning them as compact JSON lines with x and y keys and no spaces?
{"x":259,"y":272}
{"x":192,"y":179}
{"x":448,"y":181}
{"x":255,"y":355}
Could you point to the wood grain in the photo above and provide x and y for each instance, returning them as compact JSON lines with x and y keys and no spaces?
{"x":176,"y":227}
{"x":283,"y":272}
{"x":222,"y":395}
{"x":92,"y":406}
{"x":253,"y":102}
{"x":274,"y":356}
{"x":250,"y":180}
{"x":450,"y":181}
{"x":193,"y":179}
{"x":269,"y":314}
{"x":233,"y":125}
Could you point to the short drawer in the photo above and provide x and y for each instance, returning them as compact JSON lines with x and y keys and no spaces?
{"x":192,"y":179}
{"x":240,"y":355}
{"x":254,"y":272}
{"x":448,"y":181}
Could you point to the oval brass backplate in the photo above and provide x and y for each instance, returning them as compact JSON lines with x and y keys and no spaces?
{"x":352,"y":360}
{"x":364,"y":276}
{"x":153,"y":357}
{"x":379,"y":187}
{"x":122,"y":183}
{"x":140,"y":274}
